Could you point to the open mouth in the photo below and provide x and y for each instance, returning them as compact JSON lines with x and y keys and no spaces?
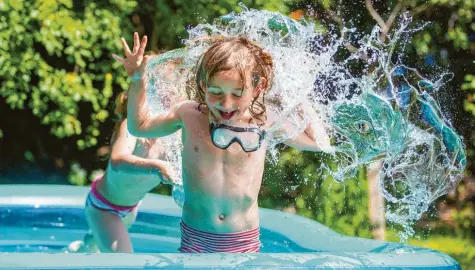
{"x":226,"y":115}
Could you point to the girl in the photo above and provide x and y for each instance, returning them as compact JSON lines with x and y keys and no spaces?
{"x":133,"y":170}
{"x":224,"y":135}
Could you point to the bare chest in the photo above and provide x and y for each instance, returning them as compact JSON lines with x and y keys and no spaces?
{"x":199,"y":148}
{"x":204,"y":162}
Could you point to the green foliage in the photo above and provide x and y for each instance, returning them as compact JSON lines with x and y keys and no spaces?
{"x":462,"y":250}
{"x":461,"y":23}
{"x":469,"y":85}
{"x":296,"y":183}
{"x":171,"y":20}
{"x":464,"y":220}
{"x":461,"y":206}
{"x":55,"y":61}
{"x":469,"y":103}
{"x":77,"y":175}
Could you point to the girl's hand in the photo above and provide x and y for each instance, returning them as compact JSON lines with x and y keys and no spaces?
{"x":134,"y":62}
{"x":166,"y":172}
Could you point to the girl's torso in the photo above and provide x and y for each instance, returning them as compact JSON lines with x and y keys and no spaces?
{"x":126,"y":188}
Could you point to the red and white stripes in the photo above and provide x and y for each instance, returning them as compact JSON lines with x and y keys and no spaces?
{"x":196,"y":241}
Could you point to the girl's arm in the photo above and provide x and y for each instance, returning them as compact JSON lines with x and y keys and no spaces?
{"x":123,"y":159}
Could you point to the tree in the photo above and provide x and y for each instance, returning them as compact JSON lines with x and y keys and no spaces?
{"x":56,"y":71}
{"x":58,"y":76}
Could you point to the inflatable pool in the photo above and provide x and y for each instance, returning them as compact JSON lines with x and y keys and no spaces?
{"x":38,"y":221}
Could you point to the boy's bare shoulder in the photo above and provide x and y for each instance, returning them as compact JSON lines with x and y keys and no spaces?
{"x":189,"y":108}
{"x":186,"y":106}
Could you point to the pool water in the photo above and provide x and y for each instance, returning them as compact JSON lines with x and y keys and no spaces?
{"x":38,"y":222}
{"x":52,"y":229}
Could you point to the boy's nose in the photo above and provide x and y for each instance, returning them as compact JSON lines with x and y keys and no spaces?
{"x":226,"y":102}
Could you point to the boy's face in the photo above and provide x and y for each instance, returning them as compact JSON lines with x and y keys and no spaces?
{"x":227,"y":97}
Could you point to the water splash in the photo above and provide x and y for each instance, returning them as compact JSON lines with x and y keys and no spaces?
{"x":389,"y":114}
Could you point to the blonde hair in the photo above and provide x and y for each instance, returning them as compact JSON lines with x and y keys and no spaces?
{"x":227,"y":53}
{"x":121,"y":113}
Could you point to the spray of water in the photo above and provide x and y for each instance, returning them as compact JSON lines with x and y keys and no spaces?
{"x":388,"y":115}
{"x":396,"y":120}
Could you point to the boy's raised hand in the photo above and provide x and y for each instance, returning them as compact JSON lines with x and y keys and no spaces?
{"x":134,"y":61}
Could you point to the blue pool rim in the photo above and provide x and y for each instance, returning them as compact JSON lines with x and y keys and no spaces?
{"x":341,"y":252}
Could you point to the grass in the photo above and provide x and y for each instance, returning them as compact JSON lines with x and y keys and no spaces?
{"x":462,"y":250}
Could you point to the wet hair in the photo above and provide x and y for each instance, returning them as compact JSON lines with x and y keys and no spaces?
{"x":248,"y":58}
{"x":121,"y":114}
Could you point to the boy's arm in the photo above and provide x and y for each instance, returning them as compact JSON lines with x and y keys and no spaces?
{"x":314,"y":138}
{"x":309,"y":140}
{"x":141,"y":123}
{"x":123,"y":159}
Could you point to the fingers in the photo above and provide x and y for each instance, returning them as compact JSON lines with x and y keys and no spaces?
{"x":168,"y":176}
{"x":125,"y":47}
{"x":118,"y":59}
{"x":143,"y":65}
{"x":136,"y":43}
{"x":139,"y":47}
{"x":143,"y":45}
{"x":145,"y":60}
{"x":163,"y":173}
{"x":167,"y":179}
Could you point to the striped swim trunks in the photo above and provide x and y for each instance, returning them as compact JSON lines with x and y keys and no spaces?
{"x":196,"y":241}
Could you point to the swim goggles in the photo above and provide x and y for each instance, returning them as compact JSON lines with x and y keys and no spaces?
{"x":250,"y":138}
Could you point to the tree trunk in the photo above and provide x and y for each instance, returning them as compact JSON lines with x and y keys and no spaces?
{"x":376,"y":202}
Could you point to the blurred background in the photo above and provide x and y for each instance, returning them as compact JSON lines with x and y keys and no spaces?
{"x":58,"y":83}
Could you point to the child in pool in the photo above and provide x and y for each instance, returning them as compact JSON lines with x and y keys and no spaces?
{"x":133,"y":170}
{"x":221,"y":178}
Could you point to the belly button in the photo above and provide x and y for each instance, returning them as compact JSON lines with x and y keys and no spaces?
{"x":196,"y":149}
{"x":221,"y":217}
